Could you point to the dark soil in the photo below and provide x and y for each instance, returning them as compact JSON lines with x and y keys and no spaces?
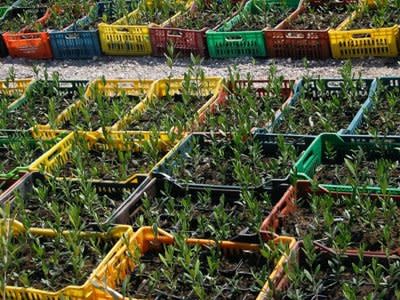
{"x":331,"y":284}
{"x":107,"y":165}
{"x":105,"y":112}
{"x":245,"y":109}
{"x":304,"y":221}
{"x":313,"y":115}
{"x":27,"y":154}
{"x":320,"y":18}
{"x":167,"y":112}
{"x":198,"y":215}
{"x":215,"y":164}
{"x":384,"y":116}
{"x":26,"y":269}
{"x":367,"y":172}
{"x":233,"y":278}
{"x":268,"y":19}
{"x":37,"y":107}
{"x":367,"y":18}
{"x":40,"y":213}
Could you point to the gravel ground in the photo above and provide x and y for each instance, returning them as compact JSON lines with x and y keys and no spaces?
{"x":154,"y":68}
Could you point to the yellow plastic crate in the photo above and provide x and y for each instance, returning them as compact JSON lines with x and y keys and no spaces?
{"x":358,"y":43}
{"x":111,"y":88}
{"x":60,"y":154}
{"x":210,"y":86}
{"x":119,"y":38}
{"x":87,"y":291}
{"x":17,"y":86}
{"x":144,"y":239}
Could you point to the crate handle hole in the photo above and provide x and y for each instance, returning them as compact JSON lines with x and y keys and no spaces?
{"x":233,"y":39}
{"x":295,"y":35}
{"x":174,"y":33}
{"x":361,"y":35}
{"x":71,"y":36}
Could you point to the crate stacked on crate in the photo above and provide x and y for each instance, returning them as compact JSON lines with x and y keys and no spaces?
{"x":130,"y":35}
{"x":243,"y":35}
{"x":187,"y":32}
{"x":372,"y":30}
{"x":305,"y":32}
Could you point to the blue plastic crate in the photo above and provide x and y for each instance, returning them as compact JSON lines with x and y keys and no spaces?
{"x":388,"y":83}
{"x":332,"y":86}
{"x":75,"y":43}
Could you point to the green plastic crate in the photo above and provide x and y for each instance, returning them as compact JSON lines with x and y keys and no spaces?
{"x":374,"y":147}
{"x":224,"y":43}
{"x":3,"y":11}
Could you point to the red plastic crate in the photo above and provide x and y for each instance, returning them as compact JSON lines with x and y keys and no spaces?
{"x":294,"y":43}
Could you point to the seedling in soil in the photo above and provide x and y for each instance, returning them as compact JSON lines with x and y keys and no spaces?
{"x":44,"y":100}
{"x":37,"y":261}
{"x":384,"y":14}
{"x":25,"y":18}
{"x":329,"y":276}
{"x":158,"y":12}
{"x":223,"y":160}
{"x":383,"y":117}
{"x":6,"y":3}
{"x":100,"y":110}
{"x":320,"y":109}
{"x":247,"y":107}
{"x":64,"y":13}
{"x":107,"y":161}
{"x":21,"y":150}
{"x":52,"y":204}
{"x":266,"y":16}
{"x":328,"y":15}
{"x":346,"y":222}
{"x":359,"y":168}
{"x":188,"y":271}
{"x":206,"y":14}
{"x":119,"y":9}
{"x":203,"y":215}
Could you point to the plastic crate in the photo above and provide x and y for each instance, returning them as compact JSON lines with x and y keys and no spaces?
{"x":75,"y":43}
{"x":287,"y":206}
{"x":282,"y":41}
{"x":88,"y":290}
{"x":7,"y":138}
{"x":3,"y":47}
{"x":258,"y":85}
{"x":185,"y":41}
{"x":121,"y":39}
{"x":298,"y":259}
{"x":14,"y":87}
{"x":25,"y":187}
{"x":144,"y":240}
{"x":3,"y":10}
{"x":110,"y":88}
{"x":132,"y":208}
{"x":209,"y":86}
{"x":269,"y":148}
{"x":388,"y":83}
{"x":314,"y":156}
{"x":34,"y":45}
{"x":332,"y":86}
{"x":358,"y":43}
{"x":69,"y":87}
{"x":224,"y":43}
{"x":60,"y":154}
